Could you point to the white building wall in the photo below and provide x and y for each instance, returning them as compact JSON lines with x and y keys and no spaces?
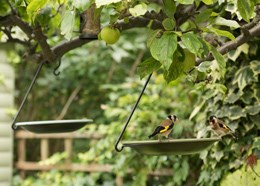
{"x":6,"y":134}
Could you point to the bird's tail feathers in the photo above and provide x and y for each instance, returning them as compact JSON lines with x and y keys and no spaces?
{"x":152,"y":135}
{"x":234,"y":135}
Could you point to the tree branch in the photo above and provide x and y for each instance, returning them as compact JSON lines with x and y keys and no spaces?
{"x":138,"y":22}
{"x":22,"y":25}
{"x":42,"y":40}
{"x":64,"y":47}
{"x":231,"y":45}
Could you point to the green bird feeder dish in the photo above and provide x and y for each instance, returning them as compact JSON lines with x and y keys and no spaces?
{"x":171,"y":147}
{"x":53,"y":126}
{"x":164,"y":147}
{"x":50,"y":126}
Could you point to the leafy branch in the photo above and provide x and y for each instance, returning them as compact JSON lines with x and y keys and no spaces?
{"x":153,"y":19}
{"x":249,"y":31}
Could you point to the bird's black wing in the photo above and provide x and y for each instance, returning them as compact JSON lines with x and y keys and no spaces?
{"x":223,"y":125}
{"x":157,"y":131}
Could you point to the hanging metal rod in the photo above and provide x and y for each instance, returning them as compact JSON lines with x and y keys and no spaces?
{"x":27,"y":93}
{"x":131,"y":114}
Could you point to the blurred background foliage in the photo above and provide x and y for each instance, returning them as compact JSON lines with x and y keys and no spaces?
{"x":107,"y":87}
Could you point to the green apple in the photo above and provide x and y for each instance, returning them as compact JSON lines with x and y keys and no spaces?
{"x":110,"y":35}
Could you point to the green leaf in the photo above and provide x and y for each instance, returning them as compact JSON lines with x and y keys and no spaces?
{"x":67,"y":24}
{"x":176,"y":68}
{"x":43,"y":16}
{"x":138,"y":10}
{"x":232,"y":98}
{"x":252,"y":109}
{"x":34,"y":6}
{"x":256,"y":144}
{"x":234,"y":54}
{"x":147,"y":67}
{"x":204,"y":176}
{"x":226,"y":22}
{"x":218,"y":155}
{"x":246,"y":9}
{"x":168,"y":24}
{"x":192,"y":43}
{"x":220,"y":61}
{"x":4,"y":9}
{"x":208,"y":2}
{"x":204,"y":15}
{"x":243,"y":77}
{"x":242,"y":176}
{"x":236,"y":112}
{"x":222,"y":33}
{"x":185,"y":2}
{"x":255,"y":119}
{"x":256,"y":92}
{"x":255,"y":66}
{"x":152,"y":36}
{"x":247,"y":96}
{"x":204,"y":66}
{"x":196,"y":109}
{"x":220,"y":88}
{"x":18,"y":2}
{"x":163,"y":48}
{"x":189,"y":60}
{"x":169,"y":8}
{"x":81,"y":4}
{"x":100,"y":3}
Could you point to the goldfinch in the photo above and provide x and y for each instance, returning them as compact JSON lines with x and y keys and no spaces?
{"x":220,"y":128}
{"x":165,"y":127}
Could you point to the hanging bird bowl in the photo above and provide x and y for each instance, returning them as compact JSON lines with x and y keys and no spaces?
{"x":167,"y":147}
{"x":171,"y":147}
{"x":53,"y":126}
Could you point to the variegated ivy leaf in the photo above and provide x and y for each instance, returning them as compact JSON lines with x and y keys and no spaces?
{"x":100,"y":3}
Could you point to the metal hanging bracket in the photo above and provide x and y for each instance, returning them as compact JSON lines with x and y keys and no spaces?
{"x":27,"y":93}
{"x":55,"y":70}
{"x":130,"y":116}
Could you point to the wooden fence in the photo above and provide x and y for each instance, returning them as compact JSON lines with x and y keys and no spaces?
{"x":23,"y":165}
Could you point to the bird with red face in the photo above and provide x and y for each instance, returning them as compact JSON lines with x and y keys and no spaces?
{"x":220,"y":128}
{"x":165,"y":127}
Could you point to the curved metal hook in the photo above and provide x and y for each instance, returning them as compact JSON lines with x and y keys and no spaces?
{"x":27,"y":93}
{"x":116,"y":146}
{"x":130,"y":116}
{"x":55,"y":72}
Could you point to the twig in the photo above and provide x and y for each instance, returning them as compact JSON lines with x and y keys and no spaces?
{"x":136,"y":63}
{"x":14,"y":40}
{"x":68,"y":103}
